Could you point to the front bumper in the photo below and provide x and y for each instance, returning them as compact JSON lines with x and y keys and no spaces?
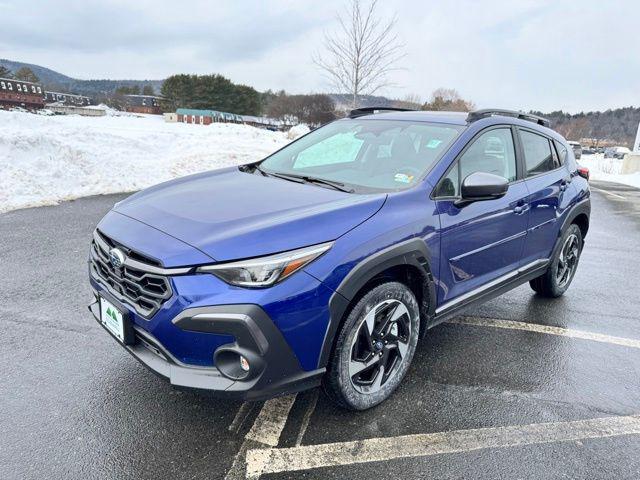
{"x":274,"y":368}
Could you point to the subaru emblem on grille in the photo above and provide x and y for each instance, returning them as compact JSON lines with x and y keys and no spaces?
{"x":116,"y":257}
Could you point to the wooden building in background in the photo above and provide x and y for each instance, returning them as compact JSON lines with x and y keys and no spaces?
{"x":17,"y":93}
{"x":143,"y":104}
{"x":69,"y":99}
{"x":206,"y":117}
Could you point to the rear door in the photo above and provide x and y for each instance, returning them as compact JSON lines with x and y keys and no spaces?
{"x":548,"y":182}
{"x":483,"y":240}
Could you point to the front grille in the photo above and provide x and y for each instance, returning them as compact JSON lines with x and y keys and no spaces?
{"x":142,"y":290}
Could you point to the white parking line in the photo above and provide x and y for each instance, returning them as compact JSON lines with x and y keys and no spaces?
{"x":241,"y":416}
{"x":271,"y":420}
{"x":608,"y":193}
{"x":307,"y":416}
{"x":410,"y":446}
{"x":264,"y":433}
{"x":533,"y":327}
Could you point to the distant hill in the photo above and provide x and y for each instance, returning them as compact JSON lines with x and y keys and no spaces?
{"x":46,"y":75}
{"x":96,"y":89}
{"x":343,"y":101}
{"x":618,"y":126}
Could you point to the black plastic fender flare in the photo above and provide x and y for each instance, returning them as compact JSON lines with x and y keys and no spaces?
{"x":583,"y":206}
{"x":410,"y":252}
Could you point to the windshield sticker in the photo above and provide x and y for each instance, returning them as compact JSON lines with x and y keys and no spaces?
{"x":433,"y":143}
{"x":403,"y":178}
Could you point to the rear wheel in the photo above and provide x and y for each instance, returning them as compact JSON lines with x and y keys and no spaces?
{"x":374,"y":347}
{"x":556,"y":280}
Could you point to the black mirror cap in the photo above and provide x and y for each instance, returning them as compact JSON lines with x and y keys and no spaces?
{"x":483,"y":186}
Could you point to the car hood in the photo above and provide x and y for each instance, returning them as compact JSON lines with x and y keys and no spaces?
{"x":229,"y":214}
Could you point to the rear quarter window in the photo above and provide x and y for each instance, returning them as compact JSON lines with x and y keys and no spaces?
{"x":539,"y":158}
{"x":562,"y":152}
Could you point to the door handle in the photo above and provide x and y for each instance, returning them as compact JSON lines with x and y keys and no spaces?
{"x":520,"y":209}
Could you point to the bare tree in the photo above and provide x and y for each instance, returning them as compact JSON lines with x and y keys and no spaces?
{"x":362,"y":53}
{"x":412,"y":101}
{"x":448,"y":99}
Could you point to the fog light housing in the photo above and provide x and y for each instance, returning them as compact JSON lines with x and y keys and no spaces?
{"x":244,"y":363}
{"x":238,"y":363}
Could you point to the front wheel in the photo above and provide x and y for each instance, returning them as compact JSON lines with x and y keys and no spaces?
{"x":374,"y":348}
{"x":556,"y":280}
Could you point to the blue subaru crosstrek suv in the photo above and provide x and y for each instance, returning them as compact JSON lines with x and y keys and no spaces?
{"x":325,"y":262}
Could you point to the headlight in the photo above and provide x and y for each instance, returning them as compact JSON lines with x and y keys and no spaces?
{"x":265,"y":271}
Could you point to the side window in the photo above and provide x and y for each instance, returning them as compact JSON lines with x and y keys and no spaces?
{"x":19,"y":87}
{"x":492,"y":152}
{"x":4,"y":87}
{"x":562,"y":152}
{"x":537,"y":153}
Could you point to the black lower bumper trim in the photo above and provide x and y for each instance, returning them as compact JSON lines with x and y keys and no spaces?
{"x":256,"y":336}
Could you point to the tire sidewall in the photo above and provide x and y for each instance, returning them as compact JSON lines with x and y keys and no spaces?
{"x":553,"y":281}
{"x":342,"y":355}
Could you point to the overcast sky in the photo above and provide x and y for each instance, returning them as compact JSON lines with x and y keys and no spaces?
{"x":523,"y":54}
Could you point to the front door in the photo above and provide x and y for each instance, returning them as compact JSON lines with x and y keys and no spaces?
{"x":483,"y":240}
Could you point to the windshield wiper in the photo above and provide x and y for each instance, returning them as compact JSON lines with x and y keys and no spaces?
{"x":258,"y":169}
{"x":307,"y":179}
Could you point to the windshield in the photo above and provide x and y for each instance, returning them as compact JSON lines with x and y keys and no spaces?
{"x":370,"y":155}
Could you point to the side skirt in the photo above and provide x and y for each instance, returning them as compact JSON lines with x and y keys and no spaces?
{"x":489,"y":291}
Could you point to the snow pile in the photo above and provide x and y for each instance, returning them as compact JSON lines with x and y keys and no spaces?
{"x":44,"y":160}
{"x":608,"y":169}
{"x":111,"y":112}
{"x":297,"y":131}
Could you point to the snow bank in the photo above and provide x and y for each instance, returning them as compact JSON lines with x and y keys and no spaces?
{"x":297,"y":131}
{"x":608,"y":169}
{"x":112,"y":112}
{"x":44,"y":160}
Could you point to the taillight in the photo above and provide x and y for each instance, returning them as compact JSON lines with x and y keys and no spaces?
{"x":583,"y":172}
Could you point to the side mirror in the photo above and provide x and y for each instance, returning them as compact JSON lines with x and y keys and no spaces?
{"x":482,"y":186}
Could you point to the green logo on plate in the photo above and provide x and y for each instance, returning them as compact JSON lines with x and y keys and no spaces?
{"x":112,"y":314}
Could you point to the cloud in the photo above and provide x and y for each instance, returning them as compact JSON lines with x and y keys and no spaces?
{"x":532,"y":54}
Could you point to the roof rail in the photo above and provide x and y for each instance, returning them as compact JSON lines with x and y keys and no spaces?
{"x":358,"y":112}
{"x":489,"y":112}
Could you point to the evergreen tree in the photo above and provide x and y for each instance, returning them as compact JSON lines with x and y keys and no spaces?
{"x":27,"y":75}
{"x":5,"y":72}
{"x":148,"y":90}
{"x":128,"y":90}
{"x":210,"y":92}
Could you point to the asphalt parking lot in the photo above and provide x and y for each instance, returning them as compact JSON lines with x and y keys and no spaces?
{"x":521,"y":387}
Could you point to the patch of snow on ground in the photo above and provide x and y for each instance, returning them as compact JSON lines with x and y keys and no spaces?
{"x":297,"y":131}
{"x":608,"y":169}
{"x":45,"y":160}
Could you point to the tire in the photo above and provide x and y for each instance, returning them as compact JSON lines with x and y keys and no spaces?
{"x":557,"y":278}
{"x":381,"y":329}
